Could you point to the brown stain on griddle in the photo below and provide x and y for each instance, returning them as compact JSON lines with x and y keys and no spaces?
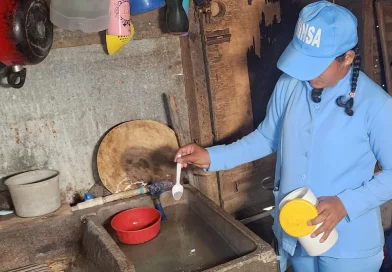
{"x":141,"y":165}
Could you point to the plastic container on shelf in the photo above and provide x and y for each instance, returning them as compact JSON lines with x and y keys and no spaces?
{"x":86,"y":15}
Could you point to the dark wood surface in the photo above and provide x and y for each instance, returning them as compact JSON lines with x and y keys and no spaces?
{"x":384,"y":15}
{"x":148,"y":25}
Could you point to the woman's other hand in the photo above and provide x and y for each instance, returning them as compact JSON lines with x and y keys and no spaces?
{"x":331,"y":211}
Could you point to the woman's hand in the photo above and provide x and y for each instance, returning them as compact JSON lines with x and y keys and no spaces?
{"x":193,"y":154}
{"x":331,"y":211}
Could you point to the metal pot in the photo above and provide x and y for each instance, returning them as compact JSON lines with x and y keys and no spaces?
{"x":26,"y":36}
{"x":35,"y":193}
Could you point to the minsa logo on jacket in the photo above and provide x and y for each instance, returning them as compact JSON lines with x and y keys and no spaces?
{"x":308,"y":34}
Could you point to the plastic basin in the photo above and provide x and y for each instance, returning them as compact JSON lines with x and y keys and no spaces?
{"x":137,"y":226}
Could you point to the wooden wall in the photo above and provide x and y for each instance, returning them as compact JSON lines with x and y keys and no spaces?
{"x":242,"y":48}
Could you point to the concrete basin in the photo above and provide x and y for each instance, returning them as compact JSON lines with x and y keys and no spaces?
{"x":197,"y":236}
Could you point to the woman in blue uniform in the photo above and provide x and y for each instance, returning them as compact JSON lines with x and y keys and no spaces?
{"x":329,"y":124}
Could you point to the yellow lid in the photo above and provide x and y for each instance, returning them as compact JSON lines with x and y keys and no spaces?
{"x":294,"y":217}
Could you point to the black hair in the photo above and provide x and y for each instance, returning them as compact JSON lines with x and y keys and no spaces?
{"x":348,"y":105}
{"x":316,"y":95}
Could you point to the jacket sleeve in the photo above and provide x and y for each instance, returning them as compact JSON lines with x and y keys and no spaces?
{"x":258,"y":144}
{"x":378,"y":190}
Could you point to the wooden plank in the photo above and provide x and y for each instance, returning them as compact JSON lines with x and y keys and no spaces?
{"x":249,"y":202}
{"x":388,"y":18}
{"x":259,"y":167}
{"x":147,"y":25}
{"x":388,"y":34}
{"x":376,"y":65}
{"x":369,"y":29}
{"x":383,"y":8}
{"x":182,"y":136}
{"x":232,"y":115}
{"x":198,"y":102}
{"x":388,"y":25}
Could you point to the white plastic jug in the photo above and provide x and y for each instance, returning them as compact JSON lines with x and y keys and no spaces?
{"x":299,"y":207}
{"x":86,"y":15}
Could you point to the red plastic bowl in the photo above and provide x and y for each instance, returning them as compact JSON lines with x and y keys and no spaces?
{"x":137,"y":226}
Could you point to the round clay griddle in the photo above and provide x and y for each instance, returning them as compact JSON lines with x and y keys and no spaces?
{"x":136,"y":151}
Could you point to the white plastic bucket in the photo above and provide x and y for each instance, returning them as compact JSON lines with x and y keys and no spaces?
{"x":311,"y":245}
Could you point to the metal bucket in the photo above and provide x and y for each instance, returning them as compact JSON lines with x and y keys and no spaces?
{"x":35,"y":193}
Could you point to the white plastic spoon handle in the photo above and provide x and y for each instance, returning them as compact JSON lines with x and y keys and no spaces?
{"x":178,"y":177}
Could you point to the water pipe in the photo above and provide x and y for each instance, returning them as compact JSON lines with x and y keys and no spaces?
{"x":155,"y":189}
{"x":110,"y":198}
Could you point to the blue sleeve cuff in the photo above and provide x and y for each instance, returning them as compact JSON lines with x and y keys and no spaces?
{"x":216,"y":158}
{"x":349,"y":204}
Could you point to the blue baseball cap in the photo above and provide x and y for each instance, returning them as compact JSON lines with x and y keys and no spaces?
{"x":324,"y":31}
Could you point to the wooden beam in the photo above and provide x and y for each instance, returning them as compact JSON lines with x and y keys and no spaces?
{"x":147,"y":25}
{"x":384,"y":11}
{"x":228,"y":41}
{"x":369,"y":29}
{"x":198,"y":102}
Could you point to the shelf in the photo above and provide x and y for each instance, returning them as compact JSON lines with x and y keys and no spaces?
{"x":147,"y":26}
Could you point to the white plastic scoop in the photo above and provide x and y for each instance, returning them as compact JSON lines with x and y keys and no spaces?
{"x":178,"y":189}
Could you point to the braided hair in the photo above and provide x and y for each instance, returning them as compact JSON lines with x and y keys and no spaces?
{"x":348,"y":105}
{"x":316,"y":95}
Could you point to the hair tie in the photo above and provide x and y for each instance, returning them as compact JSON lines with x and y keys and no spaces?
{"x":352,"y":94}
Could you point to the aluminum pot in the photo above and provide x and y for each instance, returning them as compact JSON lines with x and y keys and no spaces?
{"x":35,"y":193}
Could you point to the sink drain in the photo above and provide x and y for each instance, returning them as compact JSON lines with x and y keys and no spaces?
{"x":32,"y":268}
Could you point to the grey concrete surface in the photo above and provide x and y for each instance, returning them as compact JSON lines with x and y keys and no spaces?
{"x":75,"y":96}
{"x":48,"y":241}
{"x":102,"y":250}
{"x":194,"y":222}
{"x":81,"y":242}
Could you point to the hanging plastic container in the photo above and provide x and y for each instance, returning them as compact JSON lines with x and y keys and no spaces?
{"x":142,"y":6}
{"x":86,"y":15}
{"x":120,"y":30}
{"x":176,"y":18}
{"x":185,"y":5}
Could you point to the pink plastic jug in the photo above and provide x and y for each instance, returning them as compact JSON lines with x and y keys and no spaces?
{"x":120,"y":18}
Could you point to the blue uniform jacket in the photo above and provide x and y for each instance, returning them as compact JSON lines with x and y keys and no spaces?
{"x":321,"y":147}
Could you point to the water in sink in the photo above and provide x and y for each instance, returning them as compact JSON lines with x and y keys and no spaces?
{"x":186,"y":243}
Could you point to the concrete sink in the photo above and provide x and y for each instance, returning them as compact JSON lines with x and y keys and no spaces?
{"x":197,"y":236}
